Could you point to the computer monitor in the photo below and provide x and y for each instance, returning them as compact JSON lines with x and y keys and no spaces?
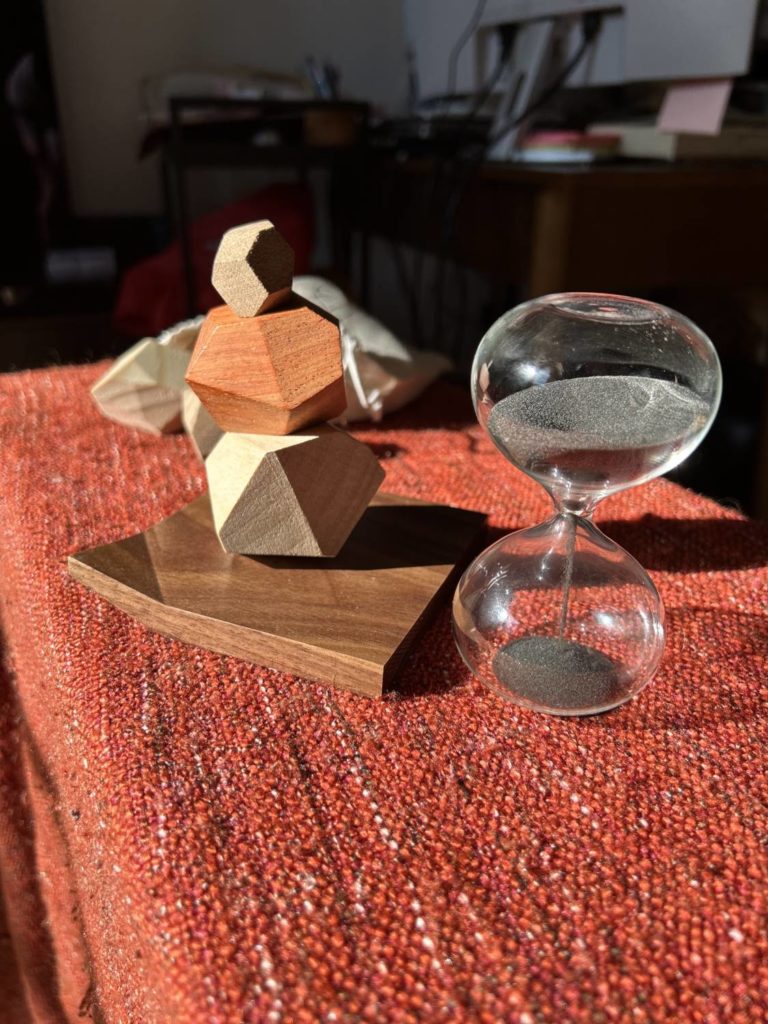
{"x":649,"y":39}
{"x":637,"y":41}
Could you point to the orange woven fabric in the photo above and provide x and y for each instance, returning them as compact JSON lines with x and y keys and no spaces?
{"x":239,"y":845}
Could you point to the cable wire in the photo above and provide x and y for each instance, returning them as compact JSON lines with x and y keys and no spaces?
{"x":471,"y":157}
{"x":461,"y":42}
{"x":590,"y":29}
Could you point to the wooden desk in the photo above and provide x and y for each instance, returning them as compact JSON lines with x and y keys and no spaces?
{"x":626,"y":227}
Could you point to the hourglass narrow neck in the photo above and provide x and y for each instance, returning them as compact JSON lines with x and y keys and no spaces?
{"x":582,"y":505}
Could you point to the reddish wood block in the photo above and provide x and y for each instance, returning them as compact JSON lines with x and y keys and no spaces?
{"x":271,"y":374}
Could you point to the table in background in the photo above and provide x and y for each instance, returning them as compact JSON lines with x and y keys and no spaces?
{"x":631,"y":226}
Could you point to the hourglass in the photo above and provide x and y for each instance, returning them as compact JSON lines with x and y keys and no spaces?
{"x":589,"y":394}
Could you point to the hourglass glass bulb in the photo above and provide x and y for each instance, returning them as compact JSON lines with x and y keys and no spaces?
{"x":559,"y":618}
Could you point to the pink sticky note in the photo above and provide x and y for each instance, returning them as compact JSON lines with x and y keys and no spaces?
{"x":697,"y":107}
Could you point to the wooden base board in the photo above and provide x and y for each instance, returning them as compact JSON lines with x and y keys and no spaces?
{"x":346,"y":620}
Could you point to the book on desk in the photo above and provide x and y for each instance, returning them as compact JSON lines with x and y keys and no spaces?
{"x":738,"y":140}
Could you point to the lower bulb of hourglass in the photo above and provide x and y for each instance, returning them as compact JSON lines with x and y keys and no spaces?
{"x":560,"y":619}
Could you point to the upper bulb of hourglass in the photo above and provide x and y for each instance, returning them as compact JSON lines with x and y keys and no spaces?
{"x":593,"y":393}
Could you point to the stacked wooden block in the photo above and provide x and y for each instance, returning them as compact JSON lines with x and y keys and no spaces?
{"x":266,"y":374}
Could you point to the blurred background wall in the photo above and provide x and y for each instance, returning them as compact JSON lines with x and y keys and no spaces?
{"x":101,"y":53}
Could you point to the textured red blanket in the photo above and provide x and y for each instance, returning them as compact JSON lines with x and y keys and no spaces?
{"x":184,"y":837}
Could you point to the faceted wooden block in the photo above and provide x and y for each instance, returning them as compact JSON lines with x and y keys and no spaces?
{"x":253,"y":269}
{"x":143,"y":387}
{"x":196,"y":420}
{"x":270,"y":374}
{"x":295,"y":495}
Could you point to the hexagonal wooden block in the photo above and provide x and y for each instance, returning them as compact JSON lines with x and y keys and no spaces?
{"x":143,"y":387}
{"x":295,"y":495}
{"x":270,"y":374}
{"x":203,"y":432}
{"x":253,"y":268}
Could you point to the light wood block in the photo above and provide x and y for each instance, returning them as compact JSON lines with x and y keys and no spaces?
{"x":196,"y":420}
{"x":253,"y":268}
{"x":300,"y":495}
{"x":143,"y":388}
{"x":271,"y":374}
{"x":348,"y":621}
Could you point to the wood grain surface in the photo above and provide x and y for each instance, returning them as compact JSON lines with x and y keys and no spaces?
{"x":203,"y":431}
{"x":299,"y":495}
{"x":253,"y":268}
{"x":347,"y":621}
{"x":270,"y":374}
